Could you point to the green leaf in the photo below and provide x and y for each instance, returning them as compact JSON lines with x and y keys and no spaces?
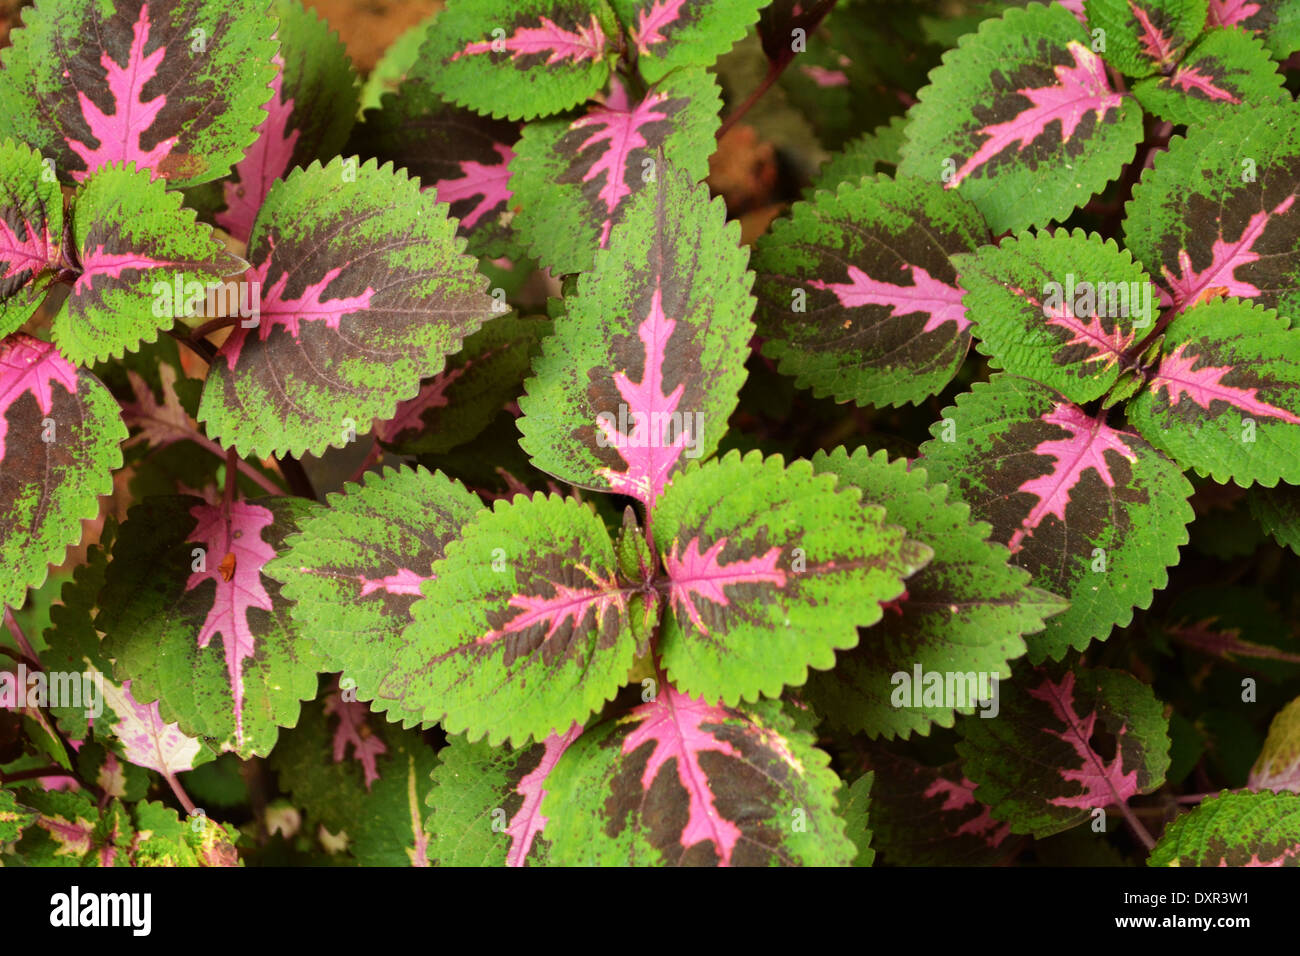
{"x":519,"y":58}
{"x":13,"y":818}
{"x":1060,"y":308}
{"x":1146,"y":36}
{"x":364,"y":292}
{"x":1092,"y":512}
{"x":31,"y":229}
{"x":879,"y":151}
{"x":1225,"y":399}
{"x":963,"y":613}
{"x":770,"y":571}
{"x":1234,"y":829}
{"x":486,"y":802}
{"x":193,"y":620}
{"x":648,"y":356}
{"x":1215,"y":215}
{"x":667,"y":34}
{"x":576,"y":178}
{"x":854,"y":804}
{"x":460,"y":402}
{"x":59,"y":435}
{"x":145,"y":261}
{"x":1022,"y":119}
{"x":1278,"y":765}
{"x":678,"y":782}
{"x":523,"y":630}
{"x":176,"y":87}
{"x":1062,"y":747}
{"x":354,"y":570}
{"x":1278,"y":510}
{"x":858,"y":297}
{"x":1225,"y":69}
{"x":354,"y":773}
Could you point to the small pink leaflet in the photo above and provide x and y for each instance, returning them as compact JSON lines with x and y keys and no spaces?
{"x":1089,"y":439}
{"x":567,"y":604}
{"x":959,"y":796}
{"x":1179,"y":379}
{"x":939,"y":301}
{"x":528,"y":823}
{"x":695,"y":575}
{"x":403,"y":581}
{"x":1155,"y":44}
{"x":1190,"y":287}
{"x":119,"y":134}
{"x":278,"y":311}
{"x":1080,"y":89}
{"x":619,"y":125}
{"x":29,"y":365}
{"x":33,"y":254}
{"x":353,"y":731}
{"x":650,"y":23}
{"x":586,"y":43}
{"x":674,"y":724}
{"x":1227,"y":13}
{"x":648,"y":451}
{"x":1190,"y":79}
{"x":238,"y":533}
{"x":1103,"y":783}
{"x":488,"y":181}
{"x":267,"y":160}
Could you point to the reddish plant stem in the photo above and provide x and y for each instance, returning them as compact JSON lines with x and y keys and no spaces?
{"x":1136,"y":826}
{"x":214,"y":325}
{"x":181,"y":795}
{"x":20,"y":638}
{"x":774,"y":72}
{"x":34,"y":774}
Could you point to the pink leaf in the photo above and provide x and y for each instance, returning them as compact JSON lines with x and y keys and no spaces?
{"x":696,"y":575}
{"x":1205,"y":385}
{"x":33,"y":253}
{"x":277,"y":310}
{"x":528,"y":821}
{"x":30,"y":365}
{"x":1188,"y":78}
{"x":675,"y":726}
{"x":1080,"y":89}
{"x":267,"y":160}
{"x":1156,"y":45}
{"x":160,"y":424}
{"x":111,"y":264}
{"x":1103,"y":784}
{"x":73,"y":837}
{"x":960,"y":795}
{"x":403,"y":581}
{"x":1219,"y":277}
{"x":146,"y":740}
{"x":488,"y":181}
{"x":1227,"y":13}
{"x":236,"y":535}
{"x":1107,"y":347}
{"x":354,"y":732}
{"x":940,"y":302}
{"x":651,"y":22}
{"x":587,"y":43}
{"x":1089,"y":439}
{"x":568,"y":603}
{"x":648,"y":450}
{"x":618,"y":124}
{"x":119,"y":134}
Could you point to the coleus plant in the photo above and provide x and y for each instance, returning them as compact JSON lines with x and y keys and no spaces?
{"x":406,"y":563}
